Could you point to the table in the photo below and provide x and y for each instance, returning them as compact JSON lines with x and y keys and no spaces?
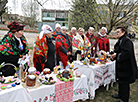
{"x":15,"y":94}
{"x":97,"y":75}
{"x":45,"y":93}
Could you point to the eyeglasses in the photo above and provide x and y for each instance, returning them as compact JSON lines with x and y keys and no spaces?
{"x":118,"y":32}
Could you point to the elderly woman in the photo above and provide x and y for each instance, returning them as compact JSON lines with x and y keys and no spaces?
{"x":12,"y":47}
{"x":126,"y":67}
{"x":103,"y":41}
{"x":44,"y":50}
{"x":92,"y":38}
{"x":63,"y":47}
{"x":80,"y":44}
{"x":56,"y":31}
{"x":73,"y":32}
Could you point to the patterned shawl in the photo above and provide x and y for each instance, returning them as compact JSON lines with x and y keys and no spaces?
{"x":79,"y":44}
{"x":62,"y":42}
{"x":8,"y":45}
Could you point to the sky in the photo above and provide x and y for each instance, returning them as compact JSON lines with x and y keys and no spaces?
{"x":15,"y":5}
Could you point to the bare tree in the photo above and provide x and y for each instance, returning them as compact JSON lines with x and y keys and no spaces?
{"x":2,"y":6}
{"x":101,"y":12}
{"x":42,"y":2}
{"x":30,"y":11}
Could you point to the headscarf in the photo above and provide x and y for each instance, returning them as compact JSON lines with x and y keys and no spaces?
{"x":45,"y":29}
{"x":91,"y":28}
{"x":73,"y":28}
{"x":15,"y":27}
{"x":63,"y":28}
{"x":105,"y":31}
{"x":57,"y":25}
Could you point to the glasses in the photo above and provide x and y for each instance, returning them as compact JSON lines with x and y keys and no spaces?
{"x":118,"y":32}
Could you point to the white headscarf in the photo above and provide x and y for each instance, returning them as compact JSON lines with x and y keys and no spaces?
{"x":57,"y":25}
{"x":73,"y":28}
{"x":64,"y":28}
{"x":105,"y":31}
{"x":45,"y":29}
{"x":91,"y":28}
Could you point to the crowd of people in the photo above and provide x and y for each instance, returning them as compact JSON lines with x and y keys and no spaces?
{"x":57,"y":47}
{"x":67,"y":47}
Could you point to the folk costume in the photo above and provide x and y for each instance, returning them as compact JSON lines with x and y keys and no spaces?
{"x":63,"y":45}
{"x":80,"y":45}
{"x":93,"y":40}
{"x":55,"y":33}
{"x":44,"y":50}
{"x":103,"y":42}
{"x":72,"y":37}
{"x":71,"y":34}
{"x":12,"y":48}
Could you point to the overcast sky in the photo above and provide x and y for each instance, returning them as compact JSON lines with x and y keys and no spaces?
{"x":51,"y":4}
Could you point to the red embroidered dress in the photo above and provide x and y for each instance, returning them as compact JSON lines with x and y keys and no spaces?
{"x":103,"y":43}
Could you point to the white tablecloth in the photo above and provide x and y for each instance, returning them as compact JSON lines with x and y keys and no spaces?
{"x":97,"y":75}
{"x":15,"y":94}
{"x":80,"y":88}
{"x":46,"y":93}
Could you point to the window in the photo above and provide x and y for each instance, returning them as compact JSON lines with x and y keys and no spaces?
{"x":61,"y":15}
{"x":48,"y":14}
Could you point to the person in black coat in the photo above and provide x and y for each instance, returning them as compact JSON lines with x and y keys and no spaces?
{"x":126,"y":66}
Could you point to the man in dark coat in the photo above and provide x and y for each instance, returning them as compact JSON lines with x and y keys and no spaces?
{"x":126,"y":67}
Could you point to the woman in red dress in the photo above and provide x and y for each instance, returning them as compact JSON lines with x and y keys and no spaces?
{"x":103,"y":40}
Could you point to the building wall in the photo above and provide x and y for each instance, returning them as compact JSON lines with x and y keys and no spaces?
{"x":51,"y":17}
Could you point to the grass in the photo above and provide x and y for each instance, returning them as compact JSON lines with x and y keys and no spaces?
{"x":105,"y":96}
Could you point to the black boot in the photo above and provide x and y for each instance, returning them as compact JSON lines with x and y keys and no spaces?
{"x":116,"y":96}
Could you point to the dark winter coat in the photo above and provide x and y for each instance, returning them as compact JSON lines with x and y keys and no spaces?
{"x":126,"y":66}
